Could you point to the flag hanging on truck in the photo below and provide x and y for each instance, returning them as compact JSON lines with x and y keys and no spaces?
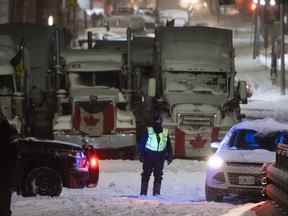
{"x":17,"y":62}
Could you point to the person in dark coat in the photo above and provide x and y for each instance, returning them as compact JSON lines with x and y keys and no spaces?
{"x":154,"y":148}
{"x":8,"y":137}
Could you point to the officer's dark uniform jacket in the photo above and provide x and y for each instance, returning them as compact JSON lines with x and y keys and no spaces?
{"x":153,"y":147}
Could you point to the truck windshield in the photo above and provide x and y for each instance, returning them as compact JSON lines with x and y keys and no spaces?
{"x":251,"y":140}
{"x":99,"y":78}
{"x":6,"y":84}
{"x":212,"y":83}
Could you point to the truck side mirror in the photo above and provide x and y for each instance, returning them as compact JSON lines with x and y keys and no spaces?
{"x":242,"y":88}
{"x":152,"y":87}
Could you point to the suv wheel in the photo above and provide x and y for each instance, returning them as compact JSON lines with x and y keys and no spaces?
{"x":43,"y":181}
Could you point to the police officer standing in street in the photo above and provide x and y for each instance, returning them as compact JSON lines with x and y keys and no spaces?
{"x":8,"y":138}
{"x":154,"y":148}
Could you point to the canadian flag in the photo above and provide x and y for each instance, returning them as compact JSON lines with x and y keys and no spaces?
{"x":91,"y":123}
{"x":90,"y":120}
{"x":94,"y":124}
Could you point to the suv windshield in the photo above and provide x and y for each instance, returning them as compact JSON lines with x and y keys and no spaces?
{"x":251,"y":140}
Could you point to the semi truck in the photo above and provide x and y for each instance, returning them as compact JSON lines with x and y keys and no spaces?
{"x":196,"y":87}
{"x":96,"y":106}
{"x":30,"y":66}
{"x":11,"y":98}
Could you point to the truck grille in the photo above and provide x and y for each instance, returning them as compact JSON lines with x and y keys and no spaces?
{"x":195,"y":121}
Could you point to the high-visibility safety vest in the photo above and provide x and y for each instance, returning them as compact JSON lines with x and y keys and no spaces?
{"x":152,"y":142}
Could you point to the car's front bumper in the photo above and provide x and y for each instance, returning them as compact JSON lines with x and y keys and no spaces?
{"x":236,"y":190}
{"x":227,"y":179}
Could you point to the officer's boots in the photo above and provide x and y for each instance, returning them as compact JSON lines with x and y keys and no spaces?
{"x":156,"y":188}
{"x":144,"y":187}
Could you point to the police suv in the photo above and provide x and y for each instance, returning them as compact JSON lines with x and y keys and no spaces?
{"x":44,"y":167}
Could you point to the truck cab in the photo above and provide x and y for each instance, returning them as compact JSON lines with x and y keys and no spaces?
{"x":10,"y":97}
{"x":197,"y":73}
{"x":99,"y":112}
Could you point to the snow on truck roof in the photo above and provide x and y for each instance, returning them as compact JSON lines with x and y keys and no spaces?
{"x":262,"y":126}
{"x":183,"y":49}
{"x":6,"y":69}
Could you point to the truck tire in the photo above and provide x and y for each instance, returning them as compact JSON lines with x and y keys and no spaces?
{"x":42,"y":181}
{"x":213,"y":195}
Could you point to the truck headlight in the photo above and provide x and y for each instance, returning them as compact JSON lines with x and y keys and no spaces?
{"x":215,"y":162}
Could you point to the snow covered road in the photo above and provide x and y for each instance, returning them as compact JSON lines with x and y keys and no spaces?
{"x":117,"y":195}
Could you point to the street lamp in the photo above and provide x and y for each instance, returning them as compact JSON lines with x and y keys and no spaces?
{"x":188,"y":6}
{"x":50,"y":20}
{"x":263,"y":2}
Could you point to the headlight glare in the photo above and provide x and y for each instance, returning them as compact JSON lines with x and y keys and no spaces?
{"x":215,"y":162}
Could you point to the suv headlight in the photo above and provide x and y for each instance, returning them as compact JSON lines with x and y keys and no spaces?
{"x":215,"y":162}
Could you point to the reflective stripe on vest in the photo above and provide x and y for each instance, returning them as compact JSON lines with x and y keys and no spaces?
{"x":152,"y":143}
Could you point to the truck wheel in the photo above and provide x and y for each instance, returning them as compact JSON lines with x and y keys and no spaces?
{"x":43,"y":181}
{"x":213,"y":195}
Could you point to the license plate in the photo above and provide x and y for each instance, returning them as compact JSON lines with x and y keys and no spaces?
{"x":246,"y":180}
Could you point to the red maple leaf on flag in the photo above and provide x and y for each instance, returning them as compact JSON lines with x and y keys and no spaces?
{"x":198,"y":141}
{"x":90,"y":120}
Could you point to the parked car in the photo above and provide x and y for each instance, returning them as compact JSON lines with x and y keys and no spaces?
{"x":236,"y":167}
{"x":44,"y":167}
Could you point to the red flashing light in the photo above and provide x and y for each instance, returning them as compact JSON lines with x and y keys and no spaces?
{"x":93,"y":162}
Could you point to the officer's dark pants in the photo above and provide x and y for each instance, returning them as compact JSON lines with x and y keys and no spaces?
{"x":150,"y":166}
